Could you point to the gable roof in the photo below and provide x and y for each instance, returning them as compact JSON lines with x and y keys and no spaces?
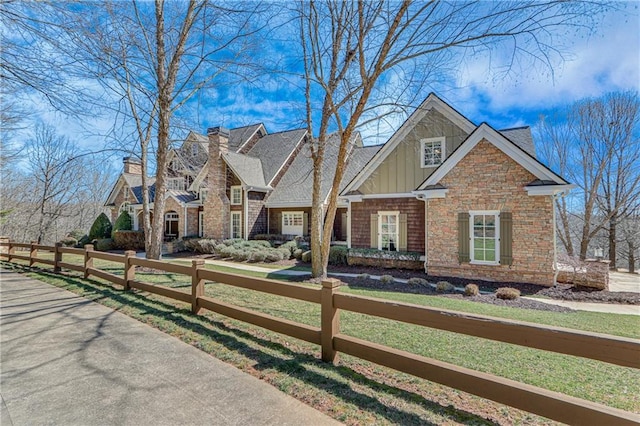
{"x":295,"y":189}
{"x":247,"y":168}
{"x":521,"y":136}
{"x":486,"y":132}
{"x":274,"y":150}
{"x":432,"y":102}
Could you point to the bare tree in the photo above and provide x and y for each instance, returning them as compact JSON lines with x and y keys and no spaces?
{"x":350,"y":47}
{"x":630,"y":238}
{"x":596,"y":143}
{"x":154,"y":59}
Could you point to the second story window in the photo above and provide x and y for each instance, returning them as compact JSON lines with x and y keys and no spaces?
{"x":204,"y":192}
{"x":176,"y":184}
{"x":433,"y":152}
{"x":236,"y":195}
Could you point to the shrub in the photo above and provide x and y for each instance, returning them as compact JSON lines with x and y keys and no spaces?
{"x":290,"y":245}
{"x":387,"y":279}
{"x":258,"y":256}
{"x":471,"y":290}
{"x":101,"y":228}
{"x":507,"y":293}
{"x":306,"y":256}
{"x":69,"y":241}
{"x":363,"y":276}
{"x":286,"y":253}
{"x":417,"y":281}
{"x":83,"y":241}
{"x":76,"y":234}
{"x":338,"y":255}
{"x":262,"y":243}
{"x":123,"y":223}
{"x":297,"y":253}
{"x":274,"y":256}
{"x":444,"y":286}
{"x":129,"y":240}
{"x":104,"y":244}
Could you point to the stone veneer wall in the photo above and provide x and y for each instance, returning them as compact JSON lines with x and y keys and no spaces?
{"x":361,"y":220}
{"x":216,"y":217}
{"x":487,"y":179}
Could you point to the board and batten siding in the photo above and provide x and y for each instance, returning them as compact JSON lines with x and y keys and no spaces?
{"x":400,"y":172}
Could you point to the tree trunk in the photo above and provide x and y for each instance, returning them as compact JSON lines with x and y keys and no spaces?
{"x":632,"y":258}
{"x":612,"y":242}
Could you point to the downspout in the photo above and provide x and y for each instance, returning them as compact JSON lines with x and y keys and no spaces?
{"x":185,"y":222}
{"x":426,"y":239}
{"x":246,"y":214}
{"x":556,"y":271}
{"x":349,"y":224}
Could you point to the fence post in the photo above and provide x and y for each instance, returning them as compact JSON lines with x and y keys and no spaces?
{"x":57,"y":258}
{"x":129,"y":269}
{"x":197,"y":284}
{"x":11,"y":251}
{"x":4,"y":249}
{"x":330,"y":319}
{"x":88,"y":261}
{"x":33,"y":253}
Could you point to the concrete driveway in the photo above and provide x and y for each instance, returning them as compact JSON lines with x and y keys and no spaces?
{"x":68,"y":361}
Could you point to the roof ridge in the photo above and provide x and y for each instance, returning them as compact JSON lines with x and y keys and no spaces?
{"x":514,"y":128}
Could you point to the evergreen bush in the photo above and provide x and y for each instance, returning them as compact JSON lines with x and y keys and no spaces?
{"x":338,"y":255}
{"x":507,"y":293}
{"x":471,"y":290}
{"x":123,"y":223}
{"x":101,"y":228}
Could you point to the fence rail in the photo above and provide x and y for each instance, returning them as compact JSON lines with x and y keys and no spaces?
{"x":556,"y":406}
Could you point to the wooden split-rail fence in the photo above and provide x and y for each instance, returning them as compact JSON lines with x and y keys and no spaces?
{"x":553,"y":405}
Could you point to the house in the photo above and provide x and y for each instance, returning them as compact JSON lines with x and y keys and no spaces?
{"x":238,"y":183}
{"x":462,"y":200}
{"x":473,"y":201}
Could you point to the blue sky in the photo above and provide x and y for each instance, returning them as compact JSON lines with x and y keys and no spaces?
{"x":604,"y":61}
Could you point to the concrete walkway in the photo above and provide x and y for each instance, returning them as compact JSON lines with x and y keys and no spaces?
{"x":609,"y":308}
{"x":68,"y":361}
{"x":624,"y":281}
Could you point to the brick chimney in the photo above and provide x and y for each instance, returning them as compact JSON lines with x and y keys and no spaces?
{"x":216,"y":208}
{"x":132,"y":165}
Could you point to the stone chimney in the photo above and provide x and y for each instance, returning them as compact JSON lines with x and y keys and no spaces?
{"x":216,"y":208}
{"x":132,"y":166}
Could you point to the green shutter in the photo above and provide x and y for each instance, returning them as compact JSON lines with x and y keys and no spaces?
{"x":305,"y":223}
{"x":463,"y":237}
{"x":402,"y":233}
{"x":374,"y":230}
{"x":506,"y":238}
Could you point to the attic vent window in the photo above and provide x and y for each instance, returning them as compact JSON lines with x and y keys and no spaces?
{"x":433,"y":152}
{"x":194,"y":149}
{"x":176,"y":184}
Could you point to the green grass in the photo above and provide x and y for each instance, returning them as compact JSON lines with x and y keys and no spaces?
{"x":358,"y":392}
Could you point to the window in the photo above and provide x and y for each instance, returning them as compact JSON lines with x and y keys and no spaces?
{"x":176,"y":184}
{"x":236,"y":225}
{"x":432,"y":150}
{"x":292,"y":223}
{"x":125,"y":191}
{"x":194,"y":149}
{"x":388,"y":231}
{"x":236,"y":195}
{"x":200,"y":224}
{"x":485,"y":238}
{"x":171,"y":224}
{"x":204,"y":193}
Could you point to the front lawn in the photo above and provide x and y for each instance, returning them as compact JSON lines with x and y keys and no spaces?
{"x":358,"y":392}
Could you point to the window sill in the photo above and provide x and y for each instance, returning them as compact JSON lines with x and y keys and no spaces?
{"x":431,"y":166}
{"x":477,"y":262}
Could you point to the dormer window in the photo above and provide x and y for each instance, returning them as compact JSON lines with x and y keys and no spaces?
{"x":194,"y":149}
{"x":433,"y":152}
{"x":176,"y":184}
{"x":125,"y":191}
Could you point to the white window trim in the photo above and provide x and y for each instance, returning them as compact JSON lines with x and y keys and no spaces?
{"x":239,"y":214}
{"x":443,"y":146}
{"x":235,"y":188}
{"x":395,"y":213}
{"x":171,"y":217}
{"x":171,"y":183}
{"x":203,"y":194}
{"x":301,"y":213}
{"x":473,"y":213}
